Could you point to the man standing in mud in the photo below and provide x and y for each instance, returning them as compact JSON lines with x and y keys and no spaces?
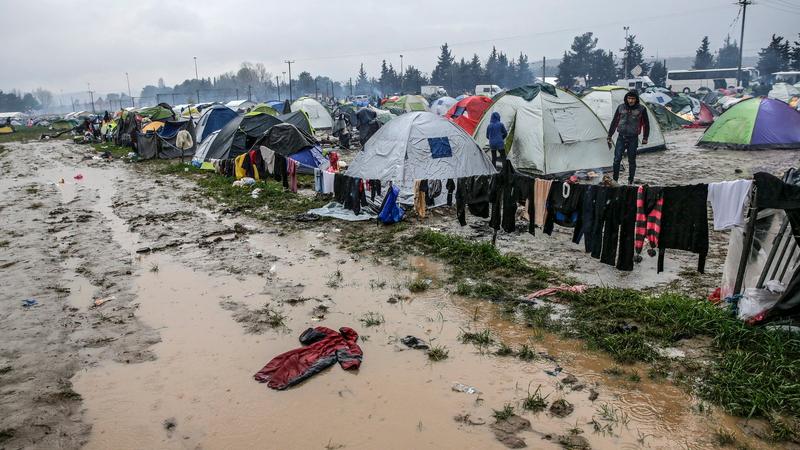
{"x":630,"y":119}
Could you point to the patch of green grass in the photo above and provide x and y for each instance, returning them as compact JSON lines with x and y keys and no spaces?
{"x":538,"y":316}
{"x":504,"y":350}
{"x":335,"y":279}
{"x":480,"y":338}
{"x":526,"y":353}
{"x":503,"y":414}
{"x":438,"y":353}
{"x":419,"y":285}
{"x":116,"y":151}
{"x":154,"y":267}
{"x":634,"y":376}
{"x":221,"y":189}
{"x":24,"y":133}
{"x":535,"y":401}
{"x":372,"y":319}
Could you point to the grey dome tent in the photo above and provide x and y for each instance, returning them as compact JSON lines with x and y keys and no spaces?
{"x":420,"y":146}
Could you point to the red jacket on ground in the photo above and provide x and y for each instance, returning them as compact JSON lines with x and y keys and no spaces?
{"x":323,"y":348}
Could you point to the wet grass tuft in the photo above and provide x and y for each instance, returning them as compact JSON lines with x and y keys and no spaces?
{"x":535,"y":401}
{"x":504,"y":349}
{"x":503,"y":414}
{"x":438,"y":353}
{"x":419,"y":285}
{"x":526,"y":353}
{"x":480,"y":338}
{"x":372,"y":319}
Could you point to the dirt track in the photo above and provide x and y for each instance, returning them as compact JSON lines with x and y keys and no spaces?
{"x":166,"y":365}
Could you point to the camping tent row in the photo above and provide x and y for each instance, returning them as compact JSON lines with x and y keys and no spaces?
{"x":550,"y":130}
{"x":406,"y":103}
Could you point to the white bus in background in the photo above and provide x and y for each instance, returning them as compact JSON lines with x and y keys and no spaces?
{"x":712,"y":79}
{"x":487,"y":90}
{"x":792,"y":77}
{"x":638,"y":83}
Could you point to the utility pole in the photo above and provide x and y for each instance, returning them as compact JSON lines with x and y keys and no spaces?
{"x":91,"y":94}
{"x":544,"y":68}
{"x":278,"y":85}
{"x":196,"y":77}
{"x":129,"y":84}
{"x":743,"y":4}
{"x":401,"y":74}
{"x":290,"y":79}
{"x":351,"y":86}
{"x":625,"y":73}
{"x":316,"y":90}
{"x":249,"y":93}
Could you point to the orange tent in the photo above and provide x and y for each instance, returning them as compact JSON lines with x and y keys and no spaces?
{"x":152,"y":126}
{"x":468,"y":112}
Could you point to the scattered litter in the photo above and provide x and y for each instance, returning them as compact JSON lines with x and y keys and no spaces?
{"x":100,"y":301}
{"x":29,"y":302}
{"x":469,"y":420}
{"x":307,"y":217}
{"x":256,"y":192}
{"x":578,"y":289}
{"x":415,"y":343}
{"x":273,"y":268}
{"x":78,"y":176}
{"x":246,"y":181}
{"x":61,"y":181}
{"x":259,"y":255}
{"x":460,"y":387}
{"x":554,"y":372}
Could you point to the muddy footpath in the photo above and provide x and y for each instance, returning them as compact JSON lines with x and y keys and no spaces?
{"x":134,"y":313}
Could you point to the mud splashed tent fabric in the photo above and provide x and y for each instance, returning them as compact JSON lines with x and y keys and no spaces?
{"x":605,"y":100}
{"x":318,"y":116}
{"x":469,"y":111}
{"x":441,"y":105}
{"x":550,"y":130}
{"x":754,"y":124}
{"x":220,"y":147}
{"x":667,"y":120}
{"x":406,"y":103}
{"x":420,"y":146}
{"x":213,"y":119}
{"x":299,"y":119}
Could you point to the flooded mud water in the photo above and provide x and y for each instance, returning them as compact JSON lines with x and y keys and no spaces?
{"x":169,"y":361}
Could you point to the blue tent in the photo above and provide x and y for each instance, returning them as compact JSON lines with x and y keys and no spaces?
{"x":214,"y":118}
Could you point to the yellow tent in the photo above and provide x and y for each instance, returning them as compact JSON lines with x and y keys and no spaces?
{"x":152,"y":126}
{"x":6,"y":130}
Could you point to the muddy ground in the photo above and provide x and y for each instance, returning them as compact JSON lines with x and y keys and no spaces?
{"x":196,"y":300}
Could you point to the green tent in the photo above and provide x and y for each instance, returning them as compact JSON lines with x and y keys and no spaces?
{"x":263,"y":108}
{"x":667,"y":119}
{"x":64,"y":124}
{"x":161,"y":111}
{"x":407,"y":103}
{"x":753,"y":124}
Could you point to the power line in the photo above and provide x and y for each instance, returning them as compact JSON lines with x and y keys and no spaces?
{"x":784,"y":3}
{"x":777,"y":8}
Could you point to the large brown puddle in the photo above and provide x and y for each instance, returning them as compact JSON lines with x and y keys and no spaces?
{"x":202,"y":380}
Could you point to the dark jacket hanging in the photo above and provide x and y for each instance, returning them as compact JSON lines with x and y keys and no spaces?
{"x":684,"y":222}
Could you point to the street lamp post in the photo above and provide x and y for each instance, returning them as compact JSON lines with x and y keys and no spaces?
{"x":128,"y":79}
{"x":196,"y":77}
{"x":625,"y":75}
{"x":290,"y":79}
{"x":401,"y":74}
{"x":91,"y":94}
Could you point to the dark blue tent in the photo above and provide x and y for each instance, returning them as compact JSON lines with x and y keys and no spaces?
{"x":214,"y":118}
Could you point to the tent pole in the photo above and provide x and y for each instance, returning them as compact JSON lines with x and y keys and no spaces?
{"x":750,"y":232}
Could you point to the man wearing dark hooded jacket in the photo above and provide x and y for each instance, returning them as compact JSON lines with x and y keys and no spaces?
{"x":496,"y":133}
{"x":630,"y":119}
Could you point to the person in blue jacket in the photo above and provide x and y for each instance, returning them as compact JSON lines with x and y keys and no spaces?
{"x":496,"y":133}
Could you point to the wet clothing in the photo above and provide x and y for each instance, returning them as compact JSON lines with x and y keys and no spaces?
{"x":649,"y":204}
{"x":628,"y":144}
{"x":684,"y":222}
{"x":323,"y":348}
{"x":613,"y":226}
{"x":473,"y":193}
{"x":496,"y":133}
{"x":629,"y":121}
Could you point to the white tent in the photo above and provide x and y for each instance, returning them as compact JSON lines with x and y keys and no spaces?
{"x":318,"y":116}
{"x":605,"y":100}
{"x":655,"y":97}
{"x":783,"y":92}
{"x":550,"y":130}
{"x":420,"y":146}
{"x":240,"y":105}
{"x":440,"y":106}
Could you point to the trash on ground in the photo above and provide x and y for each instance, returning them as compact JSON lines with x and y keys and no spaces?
{"x":460,"y":387}
{"x":415,"y":343}
{"x":29,"y":302}
{"x":100,"y":301}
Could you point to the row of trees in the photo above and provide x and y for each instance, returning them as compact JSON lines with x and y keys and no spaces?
{"x":779,"y":55}
{"x":17,"y":102}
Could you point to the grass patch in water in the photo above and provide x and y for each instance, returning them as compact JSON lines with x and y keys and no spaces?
{"x":753,"y":371}
{"x":419,"y":285}
{"x":438,"y":353}
{"x":372,"y":319}
{"x":480,"y":338}
{"x":535,"y":401}
{"x":503,"y":414}
{"x":220,"y":188}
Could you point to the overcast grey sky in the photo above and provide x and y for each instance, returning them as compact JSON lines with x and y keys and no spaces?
{"x":62,"y":45}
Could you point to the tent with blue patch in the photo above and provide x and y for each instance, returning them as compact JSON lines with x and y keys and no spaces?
{"x":214,"y":118}
{"x":419,"y":146}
